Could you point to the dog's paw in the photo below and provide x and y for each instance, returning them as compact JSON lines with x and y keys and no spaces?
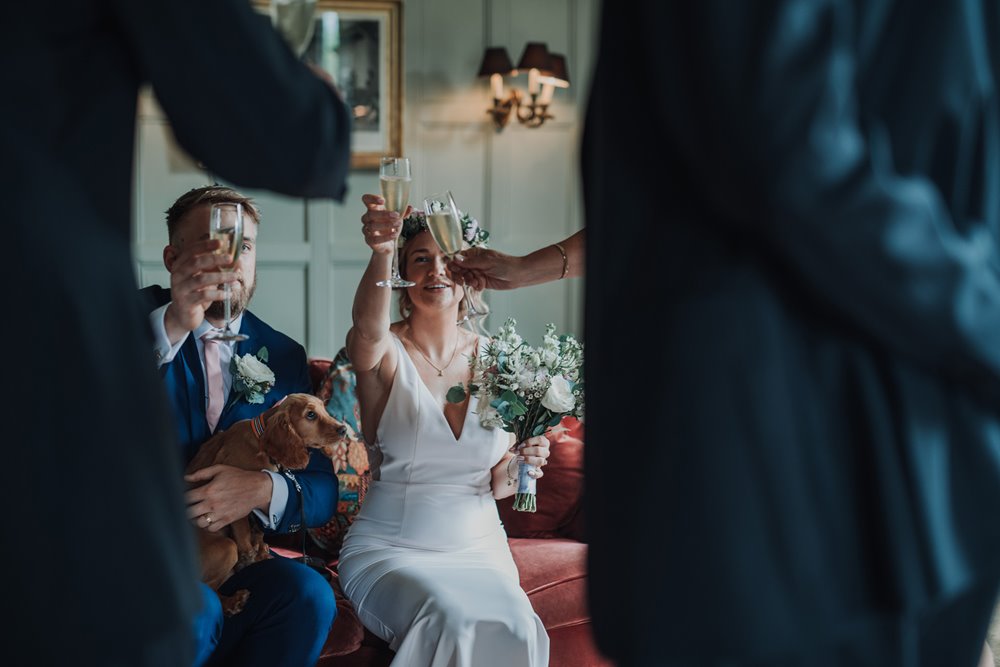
{"x":233,"y":604}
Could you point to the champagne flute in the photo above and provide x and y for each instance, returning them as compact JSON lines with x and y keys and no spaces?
{"x":444,"y":222}
{"x":226,"y":225}
{"x":394,"y":180}
{"x":296,"y":21}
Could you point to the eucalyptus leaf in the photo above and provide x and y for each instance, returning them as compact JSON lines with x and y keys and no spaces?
{"x":262,"y":354}
{"x":456,"y":394}
{"x":538,"y":430}
{"x":517,"y":407}
{"x":503,"y":409}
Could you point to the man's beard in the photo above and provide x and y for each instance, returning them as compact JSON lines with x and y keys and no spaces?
{"x":238,"y":301}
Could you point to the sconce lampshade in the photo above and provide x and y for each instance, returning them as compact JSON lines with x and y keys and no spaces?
{"x":495,"y":61}
{"x":558,"y":73}
{"x":535,"y":56}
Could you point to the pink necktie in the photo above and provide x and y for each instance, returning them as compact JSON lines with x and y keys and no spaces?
{"x":213,"y":375}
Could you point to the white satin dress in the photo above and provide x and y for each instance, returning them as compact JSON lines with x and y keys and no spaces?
{"x":426,"y":562}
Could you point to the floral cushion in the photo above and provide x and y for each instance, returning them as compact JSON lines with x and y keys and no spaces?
{"x":350,"y":460}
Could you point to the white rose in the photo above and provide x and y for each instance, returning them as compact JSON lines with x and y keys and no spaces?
{"x":254,"y":370}
{"x":559,"y":397}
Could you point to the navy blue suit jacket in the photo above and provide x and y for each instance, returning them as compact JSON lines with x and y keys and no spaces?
{"x":185,"y":384}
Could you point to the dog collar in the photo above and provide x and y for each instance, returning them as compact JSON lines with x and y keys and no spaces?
{"x":257,"y":424}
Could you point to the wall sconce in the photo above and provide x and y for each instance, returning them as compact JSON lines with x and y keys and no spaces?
{"x":546,"y":72}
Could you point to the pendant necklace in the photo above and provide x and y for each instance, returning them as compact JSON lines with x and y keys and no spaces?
{"x":439,"y":370}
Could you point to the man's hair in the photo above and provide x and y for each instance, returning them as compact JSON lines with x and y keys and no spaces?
{"x":209,"y":194}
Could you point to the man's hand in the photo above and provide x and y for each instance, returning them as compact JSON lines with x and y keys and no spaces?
{"x":195,"y":282}
{"x":227,"y":494}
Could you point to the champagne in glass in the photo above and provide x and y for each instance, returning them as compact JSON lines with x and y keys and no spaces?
{"x":232,"y":243}
{"x":394,"y":180}
{"x":396,"y":191}
{"x":296,"y":21}
{"x":444,"y":222}
{"x":225,"y":224}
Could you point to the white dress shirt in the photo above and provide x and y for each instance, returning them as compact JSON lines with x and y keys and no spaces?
{"x":165,"y":353}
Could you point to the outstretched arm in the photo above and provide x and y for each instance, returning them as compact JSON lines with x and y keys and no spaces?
{"x":237,"y":97}
{"x":491,"y":269}
{"x":368,"y":340}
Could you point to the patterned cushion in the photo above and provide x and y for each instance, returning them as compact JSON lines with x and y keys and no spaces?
{"x":350,"y":461}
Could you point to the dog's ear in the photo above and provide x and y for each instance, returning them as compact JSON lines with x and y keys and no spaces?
{"x":283,"y":444}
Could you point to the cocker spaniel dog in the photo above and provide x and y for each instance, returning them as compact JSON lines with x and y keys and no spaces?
{"x":279,"y":439}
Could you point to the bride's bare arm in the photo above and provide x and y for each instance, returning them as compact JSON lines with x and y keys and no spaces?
{"x":368,"y":340}
{"x":504,"y":476}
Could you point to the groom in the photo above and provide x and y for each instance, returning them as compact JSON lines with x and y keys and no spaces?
{"x":291,"y":608}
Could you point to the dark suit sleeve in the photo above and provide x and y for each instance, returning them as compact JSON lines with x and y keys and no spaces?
{"x":760,"y":100}
{"x":318,"y":496}
{"x":236,"y":96}
{"x":318,"y":483}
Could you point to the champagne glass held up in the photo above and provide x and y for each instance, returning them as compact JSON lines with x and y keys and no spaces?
{"x":444,"y":222}
{"x":226,"y":225}
{"x":296,"y":21}
{"x":394,"y":179}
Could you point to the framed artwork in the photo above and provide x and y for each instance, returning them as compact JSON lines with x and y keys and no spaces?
{"x":358,"y":42}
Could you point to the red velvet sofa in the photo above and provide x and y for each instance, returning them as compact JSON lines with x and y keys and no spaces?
{"x":547,"y":546}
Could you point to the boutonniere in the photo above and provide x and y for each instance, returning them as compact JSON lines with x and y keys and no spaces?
{"x":251,"y":377}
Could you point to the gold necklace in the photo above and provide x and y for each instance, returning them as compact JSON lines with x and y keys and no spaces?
{"x":439,"y":370}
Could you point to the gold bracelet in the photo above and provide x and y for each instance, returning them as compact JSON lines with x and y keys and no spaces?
{"x":562,"y":252}
{"x":510,"y":478}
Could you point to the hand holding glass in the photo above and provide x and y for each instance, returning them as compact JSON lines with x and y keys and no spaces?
{"x":445,"y":224}
{"x":226,"y":225}
{"x":394,"y":180}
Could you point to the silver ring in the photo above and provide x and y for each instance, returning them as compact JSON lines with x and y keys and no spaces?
{"x":208,"y":520}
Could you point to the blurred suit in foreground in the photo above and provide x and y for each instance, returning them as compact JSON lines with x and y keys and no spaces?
{"x":793,"y":321}
{"x":98,"y":555}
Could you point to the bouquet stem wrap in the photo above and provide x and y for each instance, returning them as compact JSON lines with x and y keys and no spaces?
{"x":524,"y":499}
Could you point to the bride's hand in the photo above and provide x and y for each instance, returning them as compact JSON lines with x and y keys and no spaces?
{"x":380,"y":227}
{"x":535,"y":452}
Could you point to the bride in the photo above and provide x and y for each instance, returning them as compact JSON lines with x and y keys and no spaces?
{"x":426,"y":562}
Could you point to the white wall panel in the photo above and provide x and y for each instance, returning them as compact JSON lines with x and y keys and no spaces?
{"x":282,"y":218}
{"x":281,"y":297}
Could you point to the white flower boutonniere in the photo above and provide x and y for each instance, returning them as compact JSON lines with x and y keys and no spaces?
{"x":251,"y":376}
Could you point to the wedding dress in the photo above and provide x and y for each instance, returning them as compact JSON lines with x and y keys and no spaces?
{"x":426,"y":562}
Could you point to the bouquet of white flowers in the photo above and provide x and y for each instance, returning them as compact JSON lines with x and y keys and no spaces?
{"x":526,"y":390}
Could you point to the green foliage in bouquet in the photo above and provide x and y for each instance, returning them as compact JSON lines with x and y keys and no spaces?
{"x":526,"y":390}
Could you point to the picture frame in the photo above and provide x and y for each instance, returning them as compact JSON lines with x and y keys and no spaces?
{"x":359,"y":43}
